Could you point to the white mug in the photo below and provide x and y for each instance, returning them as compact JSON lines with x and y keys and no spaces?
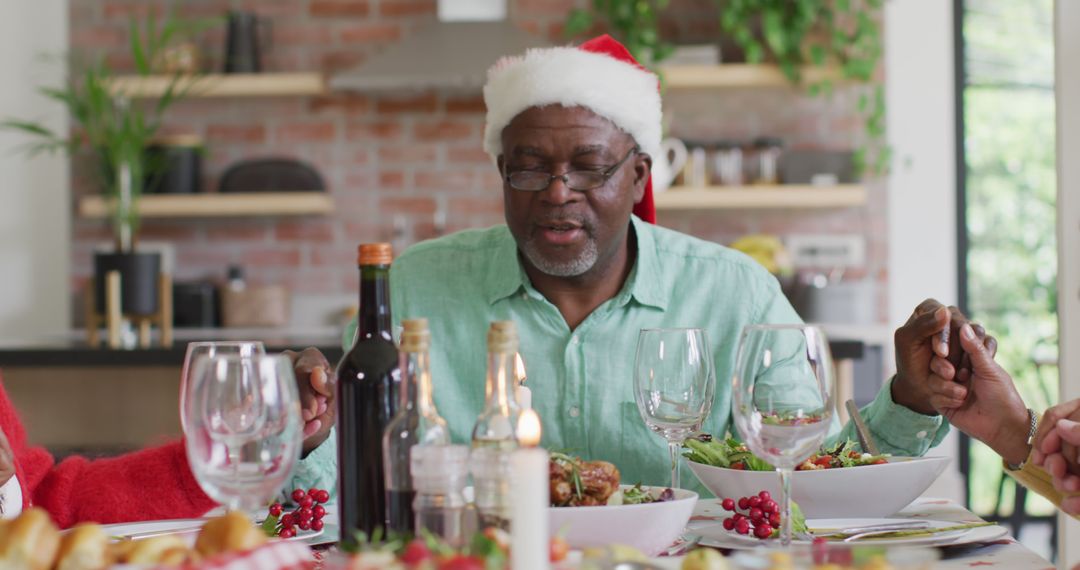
{"x":669,"y":164}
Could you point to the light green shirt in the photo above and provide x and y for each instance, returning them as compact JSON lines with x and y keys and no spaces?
{"x":582,"y":380}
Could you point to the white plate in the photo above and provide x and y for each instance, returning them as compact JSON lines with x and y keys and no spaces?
{"x":713,"y":534}
{"x":188,"y":529}
{"x":651,"y":527}
{"x":867,"y":491}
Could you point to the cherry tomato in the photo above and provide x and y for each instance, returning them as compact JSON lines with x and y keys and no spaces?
{"x":415,"y":552}
{"x":298,"y":494}
{"x":559,"y":549}
{"x":461,"y":562}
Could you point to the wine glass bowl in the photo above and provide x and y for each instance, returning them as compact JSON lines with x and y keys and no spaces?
{"x":674,"y":385}
{"x":783,"y":398}
{"x":211,"y":348}
{"x":244,"y":434}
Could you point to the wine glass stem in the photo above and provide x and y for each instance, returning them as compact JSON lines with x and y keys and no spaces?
{"x":785,"y":507}
{"x":673,"y":449}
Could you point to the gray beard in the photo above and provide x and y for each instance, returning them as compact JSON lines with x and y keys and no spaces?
{"x":573,"y":268}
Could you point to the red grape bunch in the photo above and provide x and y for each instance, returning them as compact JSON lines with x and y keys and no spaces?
{"x":307,"y":516}
{"x":756,"y":514}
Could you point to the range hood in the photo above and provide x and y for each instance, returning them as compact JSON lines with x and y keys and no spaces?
{"x":451,"y":54}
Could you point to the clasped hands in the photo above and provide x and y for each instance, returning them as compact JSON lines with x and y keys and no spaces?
{"x":945,"y":365}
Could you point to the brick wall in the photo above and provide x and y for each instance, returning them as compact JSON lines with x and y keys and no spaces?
{"x":407,"y":168}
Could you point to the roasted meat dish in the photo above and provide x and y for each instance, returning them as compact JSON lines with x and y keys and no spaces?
{"x":577,"y":483}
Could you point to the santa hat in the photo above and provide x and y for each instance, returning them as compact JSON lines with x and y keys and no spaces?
{"x":599,"y":75}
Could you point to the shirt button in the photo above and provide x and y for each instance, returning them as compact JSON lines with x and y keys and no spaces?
{"x":921,"y":435}
{"x":524,"y":296}
{"x":574,"y":411}
{"x":574,"y":340}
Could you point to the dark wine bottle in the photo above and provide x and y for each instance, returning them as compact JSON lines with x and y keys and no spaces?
{"x":367,"y":387}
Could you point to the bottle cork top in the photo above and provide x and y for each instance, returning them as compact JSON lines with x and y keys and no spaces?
{"x":415,"y":337}
{"x":502,"y":337}
{"x":374,"y":254}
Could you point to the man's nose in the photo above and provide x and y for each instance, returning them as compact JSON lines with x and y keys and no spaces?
{"x":558,"y":193}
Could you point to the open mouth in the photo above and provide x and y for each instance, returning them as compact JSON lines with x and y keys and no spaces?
{"x":560,"y":232}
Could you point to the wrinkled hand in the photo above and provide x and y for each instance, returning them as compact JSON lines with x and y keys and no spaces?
{"x":985,"y":403}
{"x":316,"y":383}
{"x":7,"y":459}
{"x":1056,"y":446}
{"x":931,"y":332}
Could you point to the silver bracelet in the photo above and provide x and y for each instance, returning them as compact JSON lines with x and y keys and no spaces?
{"x":1033,"y":419}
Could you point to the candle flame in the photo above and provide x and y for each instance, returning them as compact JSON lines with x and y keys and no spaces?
{"x":529,"y":428}
{"x":519,"y":369}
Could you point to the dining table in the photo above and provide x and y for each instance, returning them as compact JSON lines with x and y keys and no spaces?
{"x":1004,"y":552}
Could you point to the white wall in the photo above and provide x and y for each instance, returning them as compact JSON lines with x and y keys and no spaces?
{"x":34,"y":197}
{"x":922,"y":184}
{"x":1067,"y":80}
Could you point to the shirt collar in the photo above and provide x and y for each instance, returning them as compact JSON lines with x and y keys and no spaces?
{"x":506,"y":275}
{"x":644,"y":283}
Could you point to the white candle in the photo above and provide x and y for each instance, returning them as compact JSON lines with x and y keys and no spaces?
{"x":522,"y":392}
{"x":529,"y":545}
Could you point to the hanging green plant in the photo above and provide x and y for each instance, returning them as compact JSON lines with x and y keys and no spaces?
{"x":798,"y":35}
{"x":635,"y":23}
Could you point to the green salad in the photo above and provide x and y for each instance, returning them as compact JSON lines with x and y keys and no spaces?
{"x":731,"y":454}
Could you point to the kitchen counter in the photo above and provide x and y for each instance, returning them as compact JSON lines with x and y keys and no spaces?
{"x":71,"y":350}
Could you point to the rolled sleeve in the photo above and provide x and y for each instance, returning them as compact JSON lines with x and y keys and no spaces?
{"x":318,"y":469}
{"x":899,"y":430}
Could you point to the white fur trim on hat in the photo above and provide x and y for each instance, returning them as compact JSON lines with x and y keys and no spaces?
{"x":616,"y":90}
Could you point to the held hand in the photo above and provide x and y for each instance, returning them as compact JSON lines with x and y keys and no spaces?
{"x":1056,"y":450}
{"x":931,"y":332}
{"x":985,"y":404}
{"x":7,"y":459}
{"x":316,"y":384}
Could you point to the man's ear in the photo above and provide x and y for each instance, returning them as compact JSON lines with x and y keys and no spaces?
{"x":642,"y":172}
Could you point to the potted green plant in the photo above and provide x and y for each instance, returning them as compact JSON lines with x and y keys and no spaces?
{"x":634,"y":22}
{"x":116,"y":131}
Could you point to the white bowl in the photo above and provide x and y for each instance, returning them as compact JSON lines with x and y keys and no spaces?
{"x":651,"y":527}
{"x":866,"y":491}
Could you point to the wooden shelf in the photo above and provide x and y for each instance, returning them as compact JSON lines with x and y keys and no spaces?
{"x":218,"y":205}
{"x":225,"y":85}
{"x":786,"y":196}
{"x":736,"y":75}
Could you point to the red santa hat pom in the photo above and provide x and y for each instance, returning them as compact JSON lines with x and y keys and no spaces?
{"x":599,"y":75}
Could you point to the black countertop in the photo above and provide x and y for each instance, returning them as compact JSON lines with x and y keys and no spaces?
{"x":75,"y":351}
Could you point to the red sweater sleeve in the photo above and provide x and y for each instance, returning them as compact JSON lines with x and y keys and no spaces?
{"x":153,"y":483}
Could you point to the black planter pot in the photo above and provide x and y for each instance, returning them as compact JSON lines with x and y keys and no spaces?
{"x":138,"y":281}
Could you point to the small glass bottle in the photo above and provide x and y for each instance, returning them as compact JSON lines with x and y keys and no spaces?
{"x":439,"y":473}
{"x":490,"y":468}
{"x":767,"y":152}
{"x":728,"y":164}
{"x":416,"y":423}
{"x":495,"y":425}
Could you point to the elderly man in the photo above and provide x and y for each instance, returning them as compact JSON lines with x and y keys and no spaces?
{"x":580,"y":267}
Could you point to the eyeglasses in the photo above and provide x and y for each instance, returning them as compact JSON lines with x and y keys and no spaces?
{"x":577,"y":180}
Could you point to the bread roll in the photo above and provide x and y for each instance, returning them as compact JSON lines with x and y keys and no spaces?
{"x":232,"y":532}
{"x":83,"y":548}
{"x":29,"y":542}
{"x":166,"y":550}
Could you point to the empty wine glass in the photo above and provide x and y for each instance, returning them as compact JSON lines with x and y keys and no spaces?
{"x":674,"y":385}
{"x":212,"y":348}
{"x":783,"y":399}
{"x":244,"y":433}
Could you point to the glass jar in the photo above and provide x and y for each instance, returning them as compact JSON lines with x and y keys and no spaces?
{"x":490,"y":468}
{"x":439,"y":473}
{"x":767,"y":152}
{"x":727,"y":164}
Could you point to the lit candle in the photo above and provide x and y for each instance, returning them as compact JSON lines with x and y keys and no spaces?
{"x":529,"y":546}
{"x":522,"y":392}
